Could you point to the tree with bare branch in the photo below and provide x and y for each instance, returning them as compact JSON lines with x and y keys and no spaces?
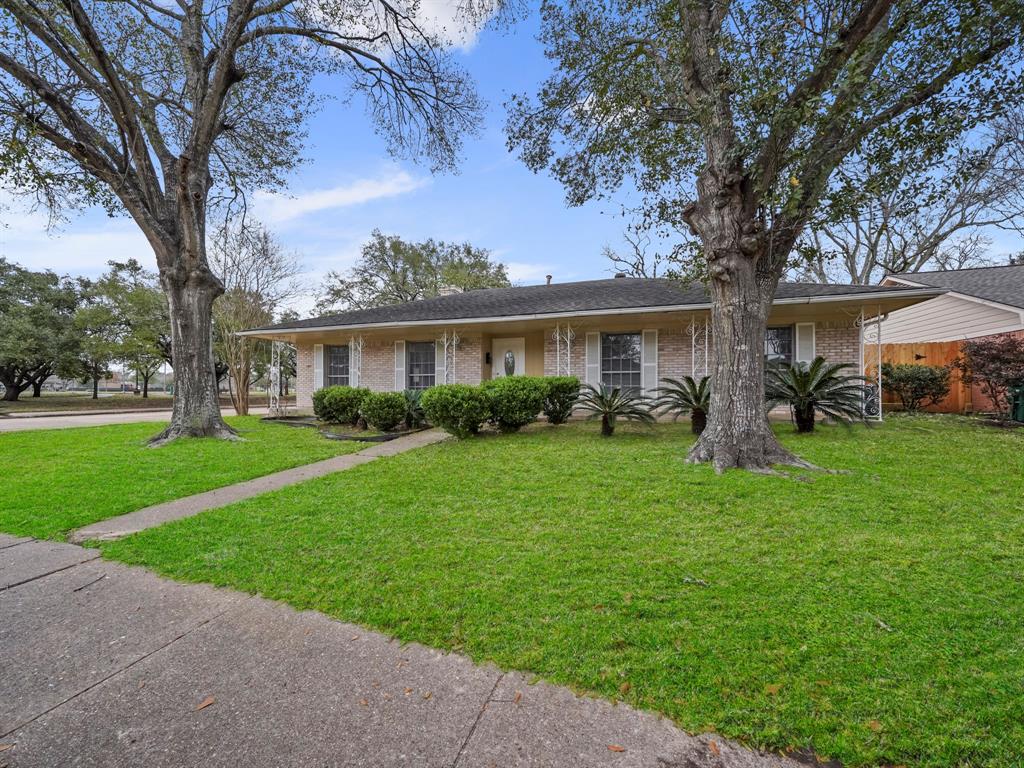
{"x":259,"y":276}
{"x":167,"y":110}
{"x":908,"y":212}
{"x":732,"y":115}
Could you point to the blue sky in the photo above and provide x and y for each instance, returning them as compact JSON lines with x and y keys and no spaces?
{"x":351,"y":186}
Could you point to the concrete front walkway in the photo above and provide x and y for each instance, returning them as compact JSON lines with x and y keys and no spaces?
{"x":106,"y":665}
{"x":133,"y":522}
{"x":57,"y":420}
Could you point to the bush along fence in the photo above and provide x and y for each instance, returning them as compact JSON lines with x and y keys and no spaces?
{"x":981,"y":373}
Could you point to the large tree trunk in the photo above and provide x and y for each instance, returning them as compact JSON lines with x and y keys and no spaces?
{"x":11,"y":393}
{"x":145,"y":386}
{"x":37,"y":389}
{"x":196,"y":411}
{"x":95,"y":387}
{"x":737,"y":434}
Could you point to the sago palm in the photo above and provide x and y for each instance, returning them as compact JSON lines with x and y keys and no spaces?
{"x":820,"y":387}
{"x":613,"y":403}
{"x":680,"y":397}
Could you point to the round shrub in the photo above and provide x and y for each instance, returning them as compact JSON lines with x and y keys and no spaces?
{"x":562,"y":394}
{"x":339,"y":405}
{"x":456,"y":408}
{"x":384,"y":410}
{"x":515,"y":400}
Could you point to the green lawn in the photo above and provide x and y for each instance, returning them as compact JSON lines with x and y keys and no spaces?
{"x":61,"y":479}
{"x":876,"y":617}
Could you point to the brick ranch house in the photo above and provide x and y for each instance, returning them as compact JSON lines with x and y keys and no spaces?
{"x":624,"y":331}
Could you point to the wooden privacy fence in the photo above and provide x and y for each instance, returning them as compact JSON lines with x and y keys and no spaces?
{"x":962,"y":398}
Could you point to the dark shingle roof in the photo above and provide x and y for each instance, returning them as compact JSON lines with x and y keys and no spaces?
{"x":558,"y":298}
{"x":1004,"y":285}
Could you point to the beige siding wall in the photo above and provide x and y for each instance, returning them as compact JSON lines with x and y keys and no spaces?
{"x":948,"y":318}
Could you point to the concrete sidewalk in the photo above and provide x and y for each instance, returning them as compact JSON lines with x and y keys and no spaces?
{"x":57,"y":420}
{"x":158,"y":514}
{"x":105,"y":665}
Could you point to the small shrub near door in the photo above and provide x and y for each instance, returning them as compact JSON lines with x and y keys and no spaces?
{"x":916,"y":386}
{"x":339,"y":405}
{"x":456,"y":408}
{"x":515,"y":401}
{"x":384,"y":410}
{"x":414,"y":416}
{"x":560,"y":398}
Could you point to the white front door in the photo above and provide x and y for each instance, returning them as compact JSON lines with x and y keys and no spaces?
{"x":508,"y":357}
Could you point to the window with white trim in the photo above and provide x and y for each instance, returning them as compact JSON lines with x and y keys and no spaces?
{"x":778,"y":344}
{"x":420,"y":364}
{"x":620,"y":360}
{"x":336,"y":366}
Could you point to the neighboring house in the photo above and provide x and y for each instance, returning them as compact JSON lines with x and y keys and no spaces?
{"x":623,"y":331}
{"x":979,"y":302}
{"x":984,"y":301}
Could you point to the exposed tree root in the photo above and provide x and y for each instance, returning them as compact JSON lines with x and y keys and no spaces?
{"x":759,"y":453}
{"x":174,"y":432}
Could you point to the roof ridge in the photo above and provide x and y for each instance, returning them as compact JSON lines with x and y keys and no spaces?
{"x":949,"y":271}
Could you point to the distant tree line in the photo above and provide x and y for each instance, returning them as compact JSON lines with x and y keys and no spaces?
{"x":79,"y":328}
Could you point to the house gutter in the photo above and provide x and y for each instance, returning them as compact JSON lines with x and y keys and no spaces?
{"x":796,"y":301}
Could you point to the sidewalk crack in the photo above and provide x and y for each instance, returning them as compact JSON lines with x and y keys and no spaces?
{"x":476,"y":721}
{"x":117,"y":672}
{"x":49,"y":573}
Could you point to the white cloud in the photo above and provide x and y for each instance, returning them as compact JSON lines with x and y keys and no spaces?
{"x":81,"y":246}
{"x":272,"y":208}
{"x":445,"y":20}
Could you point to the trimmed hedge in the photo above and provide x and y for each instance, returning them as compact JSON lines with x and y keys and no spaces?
{"x":456,"y":408}
{"x":515,"y":401}
{"x":562,"y":394}
{"x":339,"y":405}
{"x":384,"y":410}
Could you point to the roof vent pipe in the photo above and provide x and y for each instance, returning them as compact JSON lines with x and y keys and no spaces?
{"x":548,"y":279}
{"x":620,"y":275}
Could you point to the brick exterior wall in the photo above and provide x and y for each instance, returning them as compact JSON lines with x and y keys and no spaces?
{"x":469,"y":360}
{"x":836,"y":340}
{"x":304,"y":376}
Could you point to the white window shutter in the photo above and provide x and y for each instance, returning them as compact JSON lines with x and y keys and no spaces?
{"x":440,"y":364}
{"x":593,"y":357}
{"x":804,"y":347}
{"x":318,"y":367}
{"x":353,"y":372}
{"x":649,"y":361}
{"x":399,"y":366}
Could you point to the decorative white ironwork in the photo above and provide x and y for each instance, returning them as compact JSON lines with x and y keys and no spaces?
{"x":355,"y":360}
{"x":450,"y":340}
{"x":563,"y":338}
{"x":276,"y":408}
{"x":871,"y":360}
{"x":699,"y":331}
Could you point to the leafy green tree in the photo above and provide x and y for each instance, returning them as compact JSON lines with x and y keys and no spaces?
{"x":36,"y":334}
{"x":172,"y":111}
{"x":731,"y":117}
{"x":100,"y":330}
{"x":141,"y":307}
{"x":393,"y":271}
